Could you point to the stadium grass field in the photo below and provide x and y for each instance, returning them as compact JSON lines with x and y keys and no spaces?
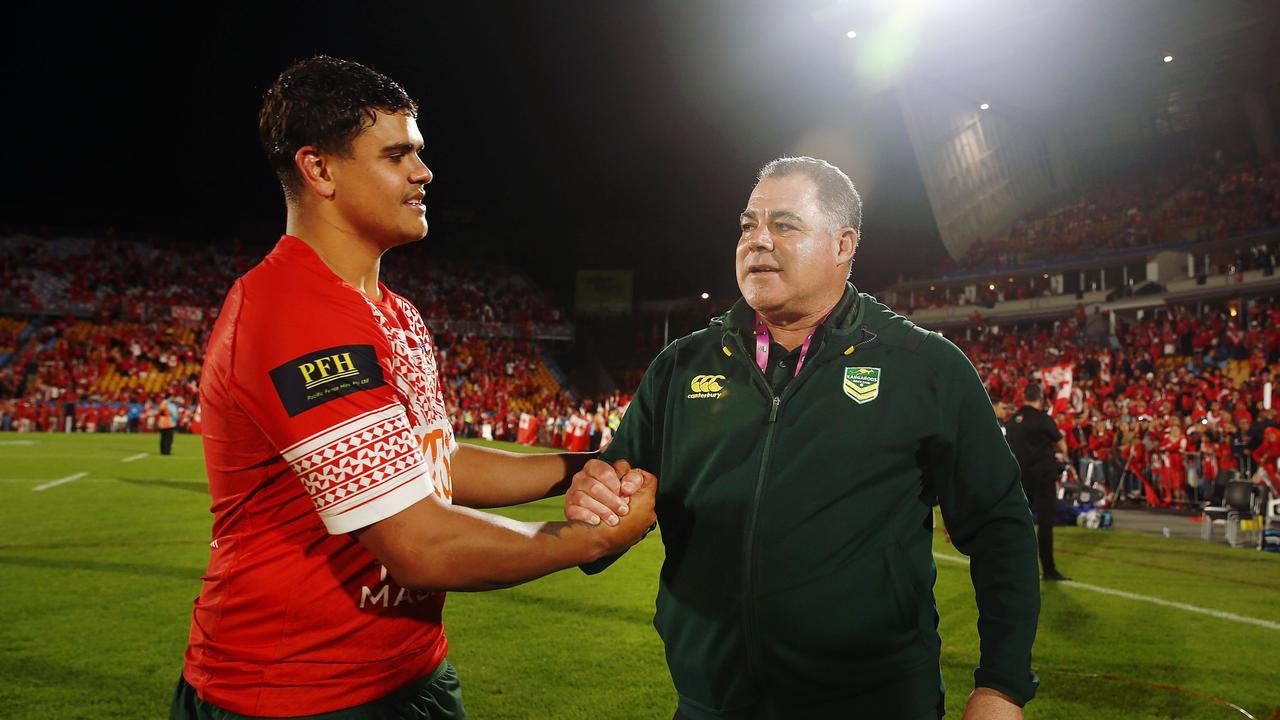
{"x":97,"y":575}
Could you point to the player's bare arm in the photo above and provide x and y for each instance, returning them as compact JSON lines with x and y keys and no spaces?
{"x":431,"y":545}
{"x":486,"y":477}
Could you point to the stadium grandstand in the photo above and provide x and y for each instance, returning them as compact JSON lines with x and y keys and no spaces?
{"x":89,"y":345}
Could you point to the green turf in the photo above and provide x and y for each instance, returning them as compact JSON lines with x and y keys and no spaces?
{"x":97,"y":577}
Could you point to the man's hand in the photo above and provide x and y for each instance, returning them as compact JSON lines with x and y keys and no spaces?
{"x":988,"y":704}
{"x":638,"y":519}
{"x":601,"y":492}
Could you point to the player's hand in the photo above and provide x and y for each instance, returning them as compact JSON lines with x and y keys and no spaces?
{"x":988,"y":704}
{"x":640,"y":516}
{"x":601,"y":492}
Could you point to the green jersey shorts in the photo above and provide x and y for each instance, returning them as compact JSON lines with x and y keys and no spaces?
{"x":435,"y":697}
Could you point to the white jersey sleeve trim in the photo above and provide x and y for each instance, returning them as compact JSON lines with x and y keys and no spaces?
{"x":362,"y":470}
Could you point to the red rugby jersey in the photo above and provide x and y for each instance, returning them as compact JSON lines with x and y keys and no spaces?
{"x":322,"y":414}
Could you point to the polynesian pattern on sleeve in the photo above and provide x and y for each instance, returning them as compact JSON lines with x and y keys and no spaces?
{"x":414,"y":375}
{"x":347,"y":468}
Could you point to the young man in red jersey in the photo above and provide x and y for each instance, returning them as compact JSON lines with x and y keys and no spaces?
{"x":340,"y":497}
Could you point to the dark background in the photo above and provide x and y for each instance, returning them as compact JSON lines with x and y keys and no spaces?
{"x":563,"y":135}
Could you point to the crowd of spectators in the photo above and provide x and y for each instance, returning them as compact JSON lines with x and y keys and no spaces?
{"x":83,"y":376}
{"x":51,"y":380}
{"x":88,"y":342}
{"x":92,"y":373}
{"x":110,"y":279}
{"x":1215,"y":198}
{"x":1165,"y":410}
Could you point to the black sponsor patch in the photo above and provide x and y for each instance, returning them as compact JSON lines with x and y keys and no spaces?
{"x":324,"y":375}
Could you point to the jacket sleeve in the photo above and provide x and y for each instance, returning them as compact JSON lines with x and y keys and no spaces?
{"x":987,"y":514}
{"x":639,"y":439}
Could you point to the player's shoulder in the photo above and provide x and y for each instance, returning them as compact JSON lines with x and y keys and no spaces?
{"x":279,"y":313}
{"x":278,"y":292}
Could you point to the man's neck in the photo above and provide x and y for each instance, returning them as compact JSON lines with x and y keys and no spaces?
{"x":342,"y":250}
{"x":791,"y":331}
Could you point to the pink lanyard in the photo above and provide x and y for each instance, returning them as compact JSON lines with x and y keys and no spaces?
{"x":762,"y":345}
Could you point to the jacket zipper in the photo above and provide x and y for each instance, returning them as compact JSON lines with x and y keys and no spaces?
{"x":748,"y":625}
{"x":748,"y":555}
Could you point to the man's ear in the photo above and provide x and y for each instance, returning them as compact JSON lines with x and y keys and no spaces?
{"x":317,"y":175}
{"x":847,"y":238}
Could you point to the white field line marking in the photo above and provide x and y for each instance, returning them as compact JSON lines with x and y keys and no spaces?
{"x":96,"y":479}
{"x":1147,"y":599}
{"x":131,"y":458}
{"x":18,"y":442}
{"x":28,"y":481}
{"x":66,"y":479}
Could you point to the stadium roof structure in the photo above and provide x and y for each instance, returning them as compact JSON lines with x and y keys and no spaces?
{"x":1016,"y":104}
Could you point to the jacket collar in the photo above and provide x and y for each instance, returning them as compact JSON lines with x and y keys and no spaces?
{"x":844,"y":331}
{"x":847,"y":316}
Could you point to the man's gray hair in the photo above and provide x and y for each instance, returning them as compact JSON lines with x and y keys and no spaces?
{"x":839,"y":198}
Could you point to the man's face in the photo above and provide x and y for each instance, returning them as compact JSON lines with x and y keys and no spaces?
{"x":379,"y":187}
{"x":789,"y":258}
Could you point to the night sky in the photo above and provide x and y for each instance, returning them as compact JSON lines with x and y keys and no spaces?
{"x":563,"y":135}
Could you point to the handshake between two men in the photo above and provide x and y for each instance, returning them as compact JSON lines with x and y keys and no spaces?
{"x":601,"y":492}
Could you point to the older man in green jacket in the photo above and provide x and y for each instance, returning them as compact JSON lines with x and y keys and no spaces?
{"x":800,"y":442}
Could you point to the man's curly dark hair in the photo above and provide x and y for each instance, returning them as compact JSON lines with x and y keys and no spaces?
{"x":324,"y":102}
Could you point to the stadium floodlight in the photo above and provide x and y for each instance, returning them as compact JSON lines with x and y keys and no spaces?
{"x":984,"y":106}
{"x":851,"y":34}
{"x":706,"y":296}
{"x":1168,"y":58}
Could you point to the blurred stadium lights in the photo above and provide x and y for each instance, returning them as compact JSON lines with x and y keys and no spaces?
{"x":892,"y":45}
{"x":893,"y":31}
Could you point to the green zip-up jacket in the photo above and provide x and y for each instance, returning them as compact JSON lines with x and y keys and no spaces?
{"x":798,"y":579}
